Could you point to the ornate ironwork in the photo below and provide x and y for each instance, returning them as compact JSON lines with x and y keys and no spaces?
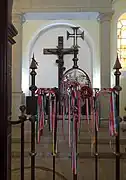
{"x":22,"y":119}
{"x":33,"y":88}
{"x":77,"y":75}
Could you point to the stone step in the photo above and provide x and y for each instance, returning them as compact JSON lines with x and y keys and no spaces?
{"x":84,"y":127}
{"x":67,"y":155}
{"x":85,"y":170}
{"x":83,"y":146}
{"x":81,"y":140}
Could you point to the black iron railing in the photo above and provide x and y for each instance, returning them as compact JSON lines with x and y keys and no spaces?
{"x":32,"y":111}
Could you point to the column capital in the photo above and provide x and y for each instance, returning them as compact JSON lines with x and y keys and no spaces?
{"x":105,"y":16}
{"x":18,"y":18}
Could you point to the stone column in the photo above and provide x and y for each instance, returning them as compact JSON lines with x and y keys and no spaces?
{"x":17,"y":67}
{"x":105,"y":49}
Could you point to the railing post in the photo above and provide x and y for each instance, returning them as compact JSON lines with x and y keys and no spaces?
{"x":55,"y":136}
{"x":22,"y":118}
{"x":96,"y":144}
{"x":33,"y":88}
{"x":117,"y":74}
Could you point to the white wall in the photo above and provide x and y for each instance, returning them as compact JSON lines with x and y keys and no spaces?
{"x":62,"y":6}
{"x":47,"y":69}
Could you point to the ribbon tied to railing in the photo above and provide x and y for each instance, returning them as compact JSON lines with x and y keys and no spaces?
{"x":113,"y":119}
{"x":43,"y":93}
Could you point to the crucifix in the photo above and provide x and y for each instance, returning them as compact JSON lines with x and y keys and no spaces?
{"x":60,"y":51}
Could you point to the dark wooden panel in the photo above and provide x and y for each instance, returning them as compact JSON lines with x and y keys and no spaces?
{"x":11,"y":33}
{"x":6,"y":41}
{"x":3,"y":89}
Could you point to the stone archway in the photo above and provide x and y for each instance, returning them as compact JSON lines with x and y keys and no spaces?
{"x":51,"y":27}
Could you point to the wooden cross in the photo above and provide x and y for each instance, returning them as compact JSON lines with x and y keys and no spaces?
{"x":60,"y":52}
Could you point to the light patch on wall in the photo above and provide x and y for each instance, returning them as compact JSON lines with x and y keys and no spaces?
{"x":123,"y":74}
{"x":121,"y":40}
{"x":96,"y":81}
{"x":25,"y":82}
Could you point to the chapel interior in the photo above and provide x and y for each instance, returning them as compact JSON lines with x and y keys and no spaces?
{"x":27,"y":28}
